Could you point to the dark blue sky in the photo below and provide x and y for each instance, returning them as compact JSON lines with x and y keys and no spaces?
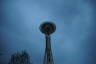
{"x":74,"y":41}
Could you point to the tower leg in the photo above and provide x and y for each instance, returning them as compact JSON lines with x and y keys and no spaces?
{"x":48,"y":58}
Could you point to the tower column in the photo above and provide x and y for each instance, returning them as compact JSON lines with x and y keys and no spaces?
{"x":48,"y":58}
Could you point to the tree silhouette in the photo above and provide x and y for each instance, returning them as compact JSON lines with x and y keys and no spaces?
{"x":20,"y":58}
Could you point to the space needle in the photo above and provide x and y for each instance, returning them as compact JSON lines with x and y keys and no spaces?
{"x":48,"y":28}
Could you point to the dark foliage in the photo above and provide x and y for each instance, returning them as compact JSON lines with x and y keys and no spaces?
{"x":20,"y":58}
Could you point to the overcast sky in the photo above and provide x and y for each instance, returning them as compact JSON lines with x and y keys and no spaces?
{"x":74,"y":41}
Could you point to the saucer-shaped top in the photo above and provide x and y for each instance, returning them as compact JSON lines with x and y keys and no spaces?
{"x":47,"y":28}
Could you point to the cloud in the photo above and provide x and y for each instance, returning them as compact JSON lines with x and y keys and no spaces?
{"x":72,"y":39}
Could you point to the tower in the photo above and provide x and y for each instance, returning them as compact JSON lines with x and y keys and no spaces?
{"x":48,"y":28}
